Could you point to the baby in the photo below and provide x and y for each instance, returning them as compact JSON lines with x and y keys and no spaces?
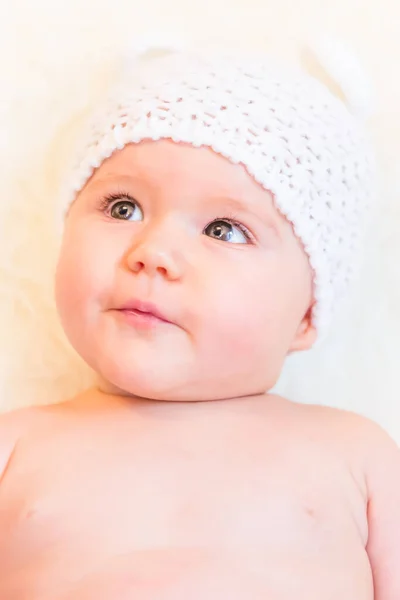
{"x":211,"y":228}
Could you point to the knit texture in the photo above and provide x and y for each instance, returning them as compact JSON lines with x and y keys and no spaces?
{"x":294,"y":137}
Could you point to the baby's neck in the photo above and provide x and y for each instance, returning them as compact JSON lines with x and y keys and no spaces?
{"x":105,"y":389}
{"x":98,"y":398}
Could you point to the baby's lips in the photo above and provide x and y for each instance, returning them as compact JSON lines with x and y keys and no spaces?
{"x":144,"y":308}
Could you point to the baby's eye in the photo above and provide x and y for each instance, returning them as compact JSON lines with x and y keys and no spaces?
{"x":126,"y":210}
{"x":226,"y":231}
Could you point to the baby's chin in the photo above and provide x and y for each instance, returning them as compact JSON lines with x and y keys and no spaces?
{"x":161,"y":392}
{"x":138,"y":386}
{"x":138,"y":391}
{"x":153,"y":373}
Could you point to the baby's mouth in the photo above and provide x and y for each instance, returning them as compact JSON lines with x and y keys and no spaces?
{"x":142,"y":314}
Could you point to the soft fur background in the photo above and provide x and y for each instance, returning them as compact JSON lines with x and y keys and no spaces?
{"x":56,"y":57}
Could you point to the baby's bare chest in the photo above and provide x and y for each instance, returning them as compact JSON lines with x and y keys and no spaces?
{"x":70,"y":508}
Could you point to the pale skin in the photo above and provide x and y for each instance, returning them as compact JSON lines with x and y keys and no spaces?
{"x":179,"y":476}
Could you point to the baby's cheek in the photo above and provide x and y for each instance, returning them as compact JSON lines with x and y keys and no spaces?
{"x":77,"y":280}
{"x":240,"y":325}
{"x":68,"y":291}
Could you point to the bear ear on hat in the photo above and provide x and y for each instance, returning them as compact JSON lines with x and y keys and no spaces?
{"x":333,"y":61}
{"x":151,"y":45}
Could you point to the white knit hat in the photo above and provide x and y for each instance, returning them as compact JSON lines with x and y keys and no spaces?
{"x":294,"y":137}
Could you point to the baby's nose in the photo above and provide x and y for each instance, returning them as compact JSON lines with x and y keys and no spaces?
{"x":157,"y":252}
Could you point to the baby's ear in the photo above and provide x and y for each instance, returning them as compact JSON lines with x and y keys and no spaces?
{"x":306,"y":334}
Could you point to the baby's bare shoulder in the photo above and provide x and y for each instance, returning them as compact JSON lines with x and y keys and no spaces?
{"x":13,"y":426}
{"x":17,"y":425}
{"x":347,"y":430}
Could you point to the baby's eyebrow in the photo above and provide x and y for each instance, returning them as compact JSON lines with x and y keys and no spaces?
{"x":109,"y":178}
{"x":268,"y":215}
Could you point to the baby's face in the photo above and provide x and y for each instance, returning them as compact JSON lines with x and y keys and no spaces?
{"x":183,"y":235}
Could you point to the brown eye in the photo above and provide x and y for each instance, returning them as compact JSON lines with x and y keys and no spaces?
{"x":226,"y":232}
{"x":126,"y":210}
